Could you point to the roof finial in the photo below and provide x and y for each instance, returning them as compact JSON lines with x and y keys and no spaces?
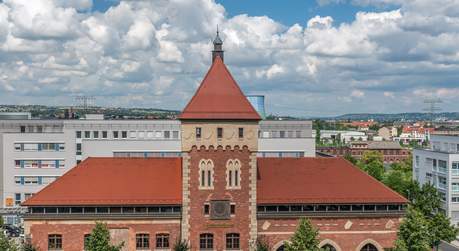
{"x":218,"y":46}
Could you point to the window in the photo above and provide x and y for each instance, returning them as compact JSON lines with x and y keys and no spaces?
{"x":455,"y":199}
{"x":142,"y":241}
{"x":206,"y":241}
{"x":455,"y":187}
{"x":17,"y":199}
{"x":54,"y":242}
{"x":167,"y":134}
{"x":32,"y":180}
{"x":104,"y":134}
{"x":232,"y":241}
{"x":233,"y":174}
{"x":78,"y":134}
{"x":442,"y":166}
{"x":232,"y":209}
{"x":455,"y":169}
{"x":86,"y":241}
{"x":22,"y":129}
{"x":206,"y":209}
{"x":198,"y":132}
{"x":17,"y":180}
{"x":87,"y":134}
{"x":369,"y":247}
{"x":17,"y":147}
{"x":27,"y":196}
{"x":162,"y":241}
{"x":175,"y":134}
{"x":328,"y":247}
{"x":416,"y":160}
{"x":78,"y":149}
{"x":115,"y":134}
{"x":206,"y":171}
{"x":95,"y":134}
{"x":133,"y":134}
{"x":123,"y":134}
{"x":219,"y":132}
{"x":241,"y":132}
{"x":282,"y":134}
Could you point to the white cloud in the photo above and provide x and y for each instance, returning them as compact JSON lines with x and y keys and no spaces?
{"x":154,"y":53}
{"x":357,"y":94}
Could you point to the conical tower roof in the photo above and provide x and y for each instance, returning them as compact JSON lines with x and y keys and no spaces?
{"x":219,"y":97}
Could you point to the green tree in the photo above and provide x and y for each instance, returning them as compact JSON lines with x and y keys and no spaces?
{"x":441,"y":229}
{"x":414,"y":232}
{"x":99,"y":239}
{"x":181,"y":245}
{"x":305,"y":237}
{"x":372,"y":163}
{"x":398,"y":181}
{"x":262,"y":245}
{"x":348,"y":156}
{"x":6,"y":244}
{"x":424,"y":198}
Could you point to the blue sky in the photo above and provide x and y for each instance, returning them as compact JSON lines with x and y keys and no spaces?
{"x":286,"y":12}
{"x":308,"y":57}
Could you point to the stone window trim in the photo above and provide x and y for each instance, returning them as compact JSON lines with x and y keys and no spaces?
{"x":206,"y":174}
{"x":233,"y":174}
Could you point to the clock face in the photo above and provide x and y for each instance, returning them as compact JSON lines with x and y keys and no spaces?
{"x":220,"y":209}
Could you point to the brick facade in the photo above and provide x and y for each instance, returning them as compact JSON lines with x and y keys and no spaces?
{"x":346,"y":233}
{"x":240,"y":221}
{"x":124,"y":230}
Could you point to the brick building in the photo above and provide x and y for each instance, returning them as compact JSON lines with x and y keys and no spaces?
{"x":391,"y":151}
{"x":218,"y":195}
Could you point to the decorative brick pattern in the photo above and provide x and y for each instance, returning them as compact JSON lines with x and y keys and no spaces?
{"x":338,"y":230}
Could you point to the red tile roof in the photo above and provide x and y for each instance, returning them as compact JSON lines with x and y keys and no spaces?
{"x":116,"y":181}
{"x":318,"y":180}
{"x":219,"y":97}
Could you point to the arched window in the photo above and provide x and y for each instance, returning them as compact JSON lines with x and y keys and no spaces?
{"x":206,"y":174}
{"x":206,"y":241}
{"x":369,"y":247}
{"x":233,"y":174}
{"x":328,"y":247}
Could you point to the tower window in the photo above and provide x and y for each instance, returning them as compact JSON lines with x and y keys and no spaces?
{"x":241,"y":132}
{"x":198,"y":132}
{"x":206,"y":209}
{"x":233,"y":174}
{"x":206,"y":172}
{"x":219,"y":132}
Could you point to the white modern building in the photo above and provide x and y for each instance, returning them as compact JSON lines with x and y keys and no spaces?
{"x":33,"y":153}
{"x":344,"y":136}
{"x":439,"y":165}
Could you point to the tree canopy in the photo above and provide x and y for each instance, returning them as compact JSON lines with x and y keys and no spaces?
{"x":99,"y":240}
{"x":305,"y":237}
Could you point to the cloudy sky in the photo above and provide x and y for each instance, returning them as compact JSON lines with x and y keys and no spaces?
{"x":308,"y":58}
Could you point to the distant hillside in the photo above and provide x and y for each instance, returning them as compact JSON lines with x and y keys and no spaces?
{"x":58,"y":112}
{"x":409,"y":116}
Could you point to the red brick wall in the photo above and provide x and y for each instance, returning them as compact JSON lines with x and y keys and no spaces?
{"x":73,"y":233}
{"x":239,"y":223}
{"x":382,"y":230}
